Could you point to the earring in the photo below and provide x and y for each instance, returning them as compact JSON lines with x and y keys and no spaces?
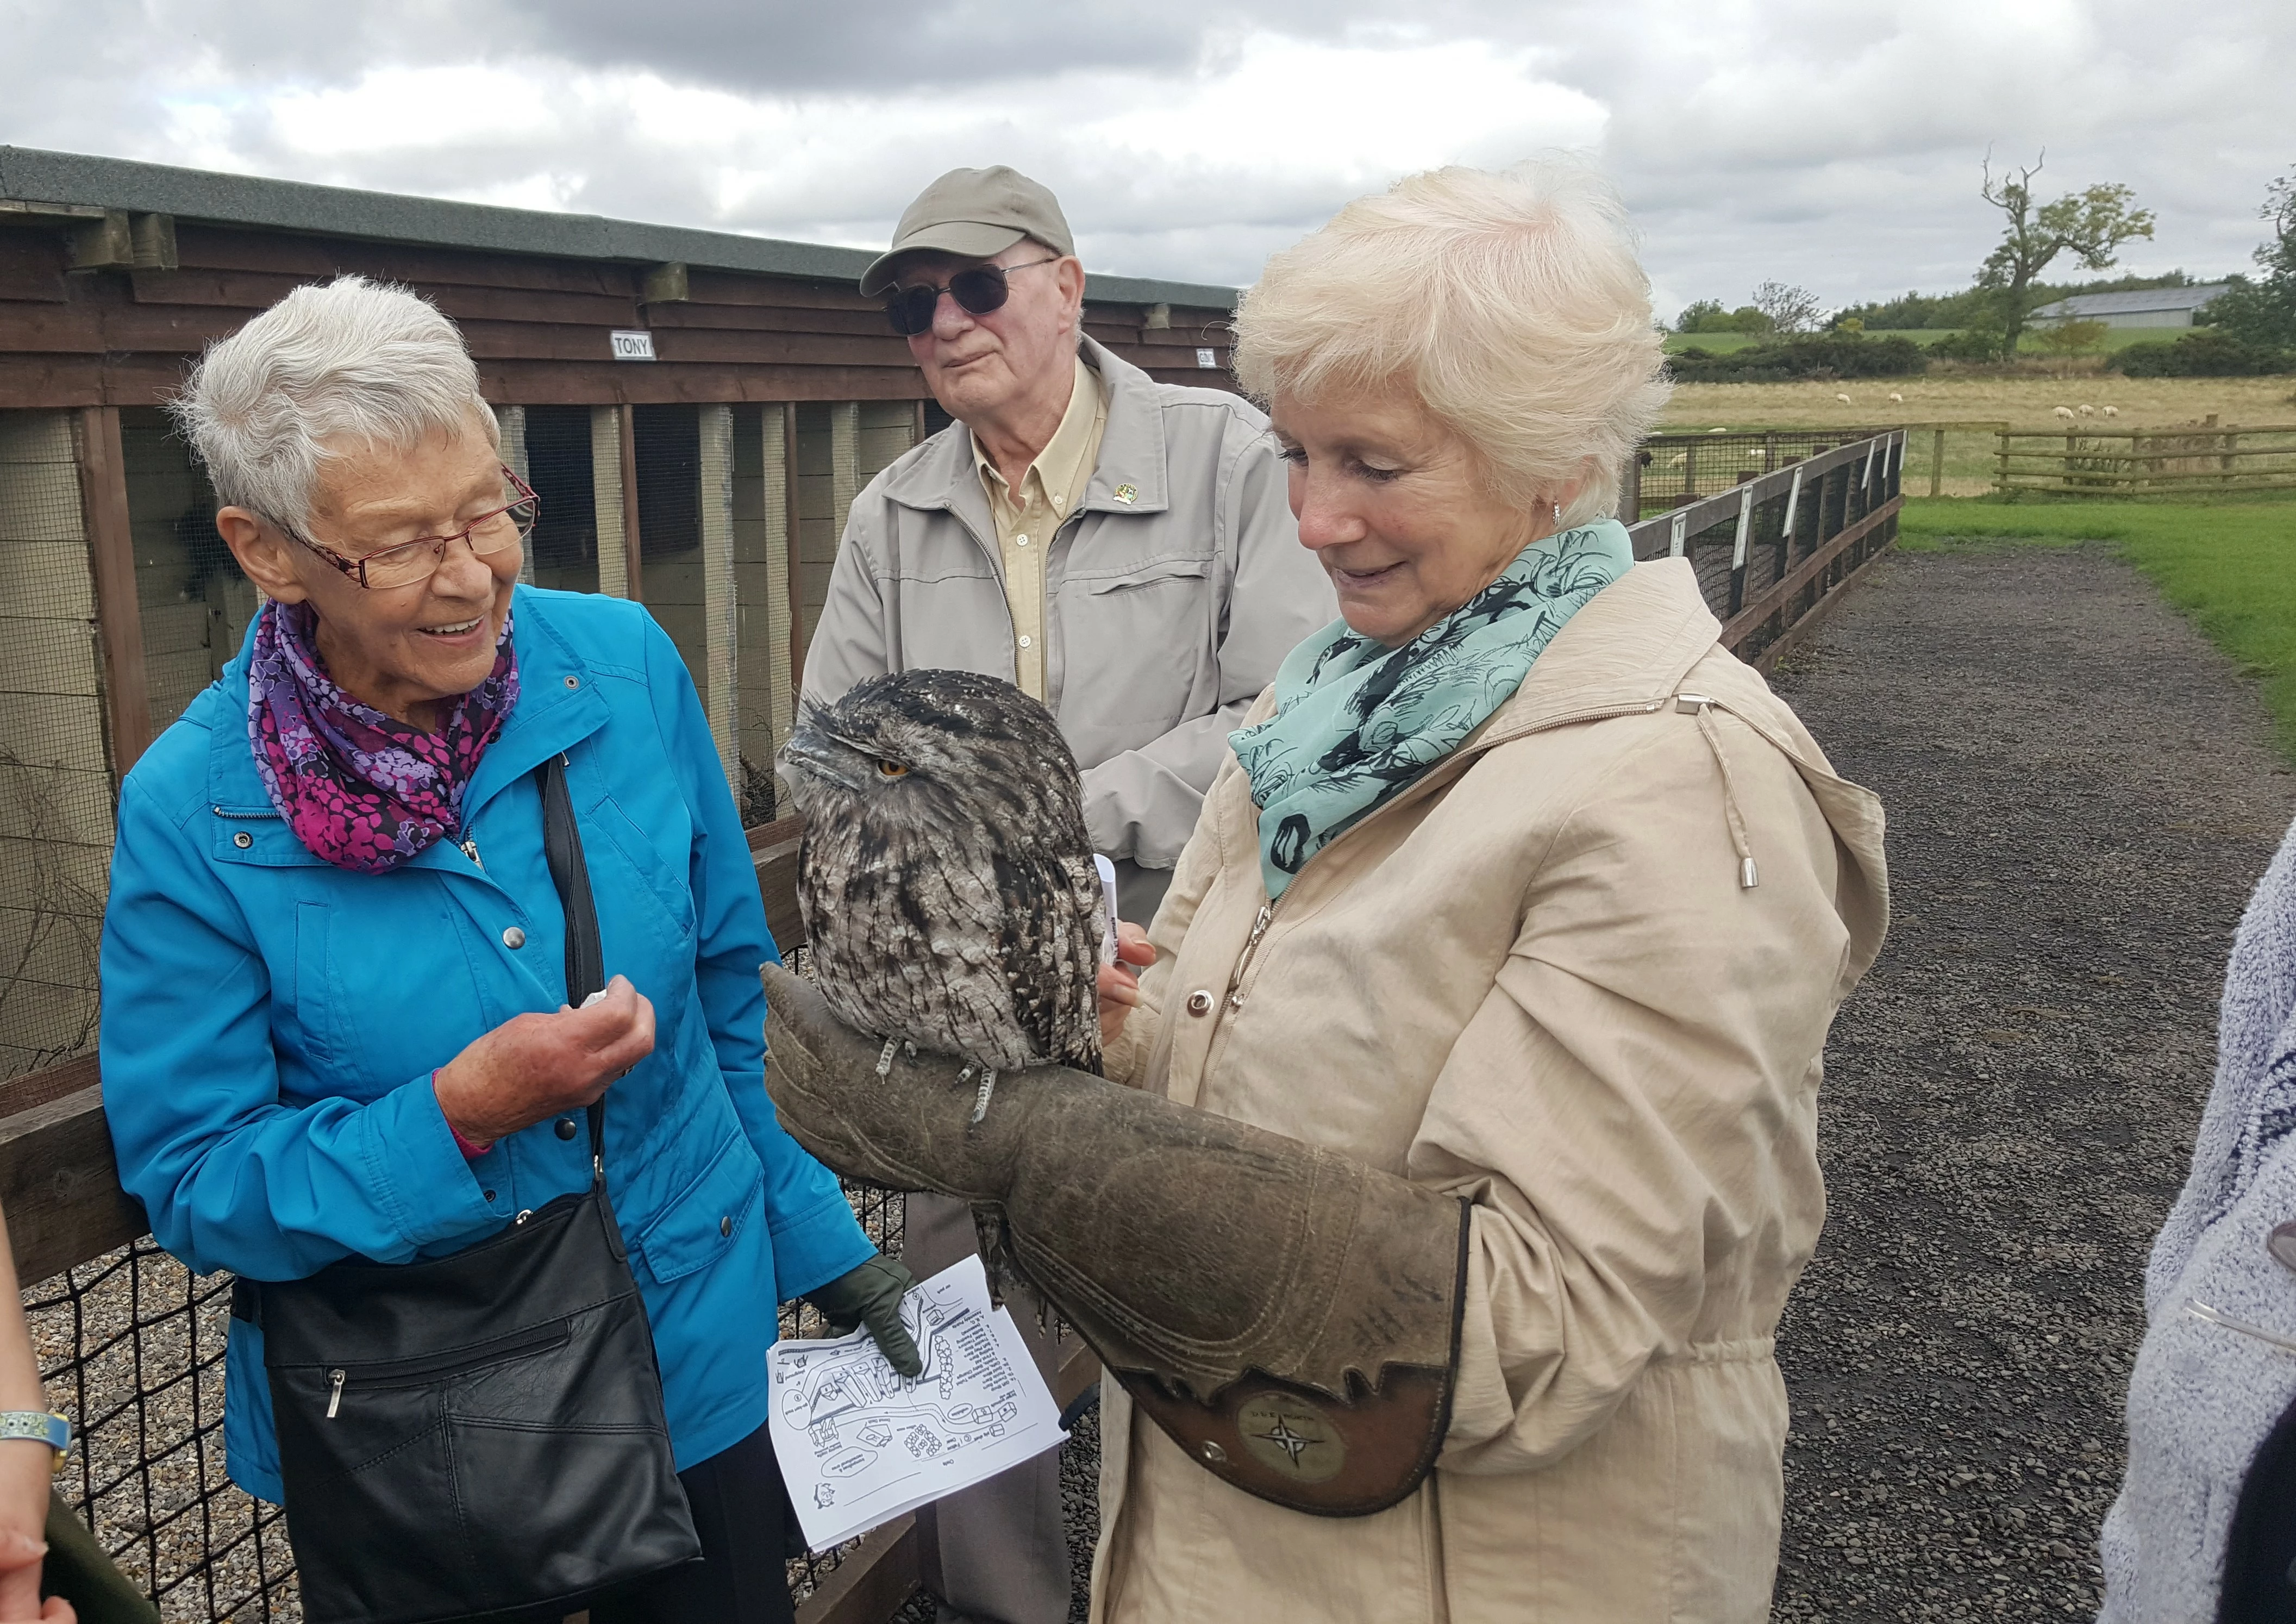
{"x":1558,"y":515}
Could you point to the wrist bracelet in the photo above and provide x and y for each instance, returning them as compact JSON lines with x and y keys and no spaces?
{"x":41,"y":1425}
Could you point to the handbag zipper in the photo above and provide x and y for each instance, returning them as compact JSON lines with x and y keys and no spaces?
{"x":404,"y":1373}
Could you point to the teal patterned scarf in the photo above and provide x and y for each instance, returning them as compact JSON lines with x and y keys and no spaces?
{"x":1357,"y":722}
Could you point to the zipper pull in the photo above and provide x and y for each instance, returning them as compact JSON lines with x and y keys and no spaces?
{"x":470,"y":851}
{"x":1259,"y":926}
{"x":335,"y":1399}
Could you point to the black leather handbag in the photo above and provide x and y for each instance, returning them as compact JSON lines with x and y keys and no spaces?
{"x":480,"y":1432}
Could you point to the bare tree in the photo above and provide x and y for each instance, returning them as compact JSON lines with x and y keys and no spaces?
{"x":1791,"y":310}
{"x":2090,"y":224}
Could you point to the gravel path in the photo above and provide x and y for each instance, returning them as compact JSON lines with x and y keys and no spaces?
{"x":2081,"y":793}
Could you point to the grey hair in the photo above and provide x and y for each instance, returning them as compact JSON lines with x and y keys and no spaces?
{"x":329,"y":369}
{"x":1511,"y":304}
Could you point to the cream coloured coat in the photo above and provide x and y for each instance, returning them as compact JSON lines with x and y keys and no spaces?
{"x":1537,"y":979}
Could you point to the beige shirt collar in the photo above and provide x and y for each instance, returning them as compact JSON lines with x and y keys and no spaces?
{"x":1064,"y":466}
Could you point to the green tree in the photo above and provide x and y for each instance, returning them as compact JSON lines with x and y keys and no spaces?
{"x":2070,"y":338}
{"x":2260,"y":313}
{"x":1696,"y":315}
{"x":2090,"y":224}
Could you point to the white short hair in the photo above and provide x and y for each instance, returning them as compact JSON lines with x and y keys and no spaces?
{"x":327,"y":370}
{"x":1512,"y":304}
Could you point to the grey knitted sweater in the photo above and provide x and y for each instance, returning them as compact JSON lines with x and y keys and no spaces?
{"x":2204,"y":1396}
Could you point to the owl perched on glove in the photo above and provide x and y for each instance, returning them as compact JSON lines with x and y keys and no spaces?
{"x":950,"y":896}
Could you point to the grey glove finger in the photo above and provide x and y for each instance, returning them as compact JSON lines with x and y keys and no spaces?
{"x":871,"y":1294}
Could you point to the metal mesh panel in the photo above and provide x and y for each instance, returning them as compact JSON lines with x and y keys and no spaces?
{"x":55,"y":773}
{"x":195,"y":602}
{"x":131,"y":1349}
{"x":564,"y":546}
{"x":1679,"y":468}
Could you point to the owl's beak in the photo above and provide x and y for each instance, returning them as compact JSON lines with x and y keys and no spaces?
{"x":810,"y":755}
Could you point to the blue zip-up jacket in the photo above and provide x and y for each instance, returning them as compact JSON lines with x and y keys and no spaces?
{"x":271,"y":1021}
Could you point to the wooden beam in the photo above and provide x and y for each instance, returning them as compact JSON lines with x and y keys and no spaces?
{"x":630,"y":541}
{"x":797,"y":637}
{"x":665,"y":284}
{"x":1776,"y":597}
{"x":773,"y":850}
{"x":60,"y":1186}
{"x":111,"y":550}
{"x":869,"y":1586}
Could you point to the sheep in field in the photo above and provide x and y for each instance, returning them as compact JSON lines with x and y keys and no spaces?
{"x":2112,"y":410}
{"x":2065,"y":412}
{"x":2089,"y":410}
{"x":1844,"y":400}
{"x":1678,"y":459}
{"x":1896,"y":398}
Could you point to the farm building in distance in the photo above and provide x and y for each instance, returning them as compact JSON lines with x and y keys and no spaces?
{"x":710,"y":481}
{"x":2145,"y":308}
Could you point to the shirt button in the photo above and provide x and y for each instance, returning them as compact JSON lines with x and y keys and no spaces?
{"x":565,"y":1127}
{"x":514,"y":938}
{"x":1024,"y":643}
{"x":725,"y":1224}
{"x":1200,"y":1002}
{"x":1020,"y":541}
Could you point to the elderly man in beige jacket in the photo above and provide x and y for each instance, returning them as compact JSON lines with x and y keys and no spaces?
{"x":1121,"y":549}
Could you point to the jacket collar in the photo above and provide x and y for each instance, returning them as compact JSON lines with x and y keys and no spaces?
{"x":558,"y":706}
{"x":1629,"y":648}
{"x":942,"y":474}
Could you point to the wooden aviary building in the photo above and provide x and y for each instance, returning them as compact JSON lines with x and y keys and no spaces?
{"x":697,"y":411}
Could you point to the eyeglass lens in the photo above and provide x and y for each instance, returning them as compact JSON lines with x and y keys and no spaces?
{"x":418,"y":559}
{"x":977,"y":288}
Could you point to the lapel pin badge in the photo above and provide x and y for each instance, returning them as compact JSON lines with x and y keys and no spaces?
{"x":1127,"y":494}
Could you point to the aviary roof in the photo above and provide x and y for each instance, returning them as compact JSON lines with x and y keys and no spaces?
{"x":2126,"y":304}
{"x":30,"y":175}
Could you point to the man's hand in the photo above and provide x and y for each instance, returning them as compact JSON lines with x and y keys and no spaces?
{"x":870,"y":1295}
{"x":534,"y":1066}
{"x":1120,"y":983}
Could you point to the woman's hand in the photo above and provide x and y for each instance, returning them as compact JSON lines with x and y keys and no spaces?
{"x":1119,"y":984}
{"x":534,"y":1066}
{"x":26,"y":1468}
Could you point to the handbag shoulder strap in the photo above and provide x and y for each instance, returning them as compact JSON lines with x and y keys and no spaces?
{"x":586,"y":959}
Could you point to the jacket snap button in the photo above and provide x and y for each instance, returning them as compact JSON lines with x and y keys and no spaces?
{"x":514,"y":938}
{"x":243,"y":840}
{"x":490,"y":1194}
{"x":725,"y":1225}
{"x":573,"y":682}
{"x":1200,"y":1002}
{"x":566,"y":1127}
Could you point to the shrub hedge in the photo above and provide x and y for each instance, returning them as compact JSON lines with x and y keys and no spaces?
{"x":1815,"y":355}
{"x":2205,"y":352}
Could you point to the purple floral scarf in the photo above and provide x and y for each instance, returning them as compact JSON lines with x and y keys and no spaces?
{"x":361,"y":790}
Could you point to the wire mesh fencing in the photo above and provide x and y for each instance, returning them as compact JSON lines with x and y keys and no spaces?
{"x":131,"y":1349}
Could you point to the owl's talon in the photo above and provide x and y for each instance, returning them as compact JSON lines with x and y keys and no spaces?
{"x":885,"y":1059}
{"x":980,"y":1100}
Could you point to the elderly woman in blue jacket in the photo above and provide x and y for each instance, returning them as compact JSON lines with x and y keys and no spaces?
{"x":334,"y":1020}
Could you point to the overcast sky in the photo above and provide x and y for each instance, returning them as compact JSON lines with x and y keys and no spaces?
{"x":1832,"y":144}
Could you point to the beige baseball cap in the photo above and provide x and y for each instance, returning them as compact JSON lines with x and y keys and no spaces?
{"x":975,"y":213}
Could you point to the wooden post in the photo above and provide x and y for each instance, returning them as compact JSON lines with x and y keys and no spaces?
{"x":512,"y":420}
{"x":1936,"y":464}
{"x":633,"y":547}
{"x":720,"y":629}
{"x":1630,"y":488}
{"x":796,"y":582}
{"x":111,"y":553}
{"x":607,"y":507}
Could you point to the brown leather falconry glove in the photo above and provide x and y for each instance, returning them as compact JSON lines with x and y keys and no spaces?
{"x":1289,"y":1315}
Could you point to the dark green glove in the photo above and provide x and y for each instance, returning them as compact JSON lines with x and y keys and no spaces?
{"x":871,"y":1296}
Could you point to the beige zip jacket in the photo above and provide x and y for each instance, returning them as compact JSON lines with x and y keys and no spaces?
{"x":1539,"y":978}
{"x":1172,"y":592}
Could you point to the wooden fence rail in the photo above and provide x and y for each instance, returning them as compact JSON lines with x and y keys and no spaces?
{"x":1772,"y":557}
{"x":2201,"y":459}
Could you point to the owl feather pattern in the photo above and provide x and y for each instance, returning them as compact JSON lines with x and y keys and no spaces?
{"x":947,"y":884}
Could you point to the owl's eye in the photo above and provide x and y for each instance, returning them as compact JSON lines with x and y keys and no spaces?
{"x":892,"y":769}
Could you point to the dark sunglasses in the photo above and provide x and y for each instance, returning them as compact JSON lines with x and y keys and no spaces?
{"x":978,"y":289}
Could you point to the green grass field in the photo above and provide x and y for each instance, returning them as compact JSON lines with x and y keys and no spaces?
{"x":2231,"y":569}
{"x":2115,"y":338}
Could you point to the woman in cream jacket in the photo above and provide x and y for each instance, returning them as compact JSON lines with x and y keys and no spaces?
{"x":1518,"y":886}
